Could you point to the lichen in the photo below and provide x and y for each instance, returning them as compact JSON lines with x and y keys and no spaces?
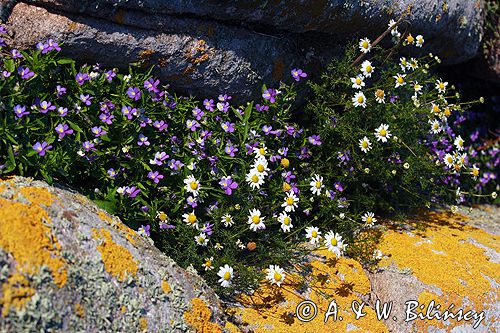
{"x":38,"y":195}
{"x":143,"y":323}
{"x":165,"y":286}
{"x":79,"y":310}
{"x":199,"y":317}
{"x":15,"y":293}
{"x":118,"y":261}
{"x":126,"y":231}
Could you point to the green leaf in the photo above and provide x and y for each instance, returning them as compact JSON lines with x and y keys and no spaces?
{"x":75,"y":127}
{"x":109,"y":206}
{"x":65,"y":61}
{"x":9,"y":65}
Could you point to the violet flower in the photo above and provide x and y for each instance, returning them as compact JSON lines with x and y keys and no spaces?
{"x":228,"y":127}
{"x":228,"y":185}
{"x":151,"y":85}
{"x":41,"y":148}
{"x":155,"y":176}
{"x":143,"y":140}
{"x":25,"y":73}
{"x":20,"y":111}
{"x":270,"y":95}
{"x":134,"y":93}
{"x":98,"y":131}
{"x":297,"y":74}
{"x":81,"y":78}
{"x":62,"y":130}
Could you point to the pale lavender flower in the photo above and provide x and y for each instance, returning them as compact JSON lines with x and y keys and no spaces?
{"x":155,"y":176}
{"x":106,"y":118}
{"x":228,"y":127}
{"x":297,"y":74}
{"x":98,"y":131}
{"x":41,"y":148}
{"x":20,"y":111}
{"x":62,"y":130}
{"x":134,"y":93}
{"x":192,"y":125}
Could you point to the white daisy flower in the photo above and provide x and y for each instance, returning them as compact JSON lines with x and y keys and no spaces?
{"x":191,"y":219}
{"x":364,"y":45}
{"x":441,"y":86}
{"x":420,"y":41}
{"x":240,"y":245}
{"x":255,"y":220}
{"x":261,"y":165}
{"x":413,"y":64}
{"x":459,"y":143}
{"x":226,"y":275}
{"x":359,"y":99}
{"x":201,"y":239}
{"x":255,"y":179}
{"x":435,"y":126}
{"x":400,"y":80}
{"x":316,"y":184}
{"x":313,"y":234}
{"x":334,"y":243}
{"x":394,"y":29}
{"x":357,"y":82}
{"x":417,"y":88}
{"x":403,"y":63}
{"x":192,"y":185}
{"x":380,"y":96}
{"x":227,"y":220}
{"x":208,"y":264}
{"x":382,"y":133}
{"x":286,"y":222}
{"x":291,"y":202}
{"x":262,"y":151}
{"x":275,"y":274}
{"x":365,"y":145}
{"x":474,"y":171}
{"x":449,"y":160}
{"x":369,"y":219}
{"x":367,"y":68}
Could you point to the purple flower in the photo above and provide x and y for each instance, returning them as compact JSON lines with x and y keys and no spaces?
{"x":132,"y":191}
{"x":342,"y":203}
{"x":225,"y":98}
{"x":3,"y":31}
{"x":297,"y":74}
{"x":266,"y":129}
{"x":81,"y":78}
{"x":175,"y":164}
{"x":144,"y":230}
{"x":315,"y":140}
{"x":288,"y":176}
{"x":228,"y":127}
{"x":25,"y":73}
{"x":51,"y":45}
{"x":209,"y":104}
{"x":106,"y":106}
{"x":192,"y":125}
{"x":41,"y":148}
{"x":88,"y":145}
{"x":143,"y":140}
{"x":331,"y":194}
{"x":129,"y":112}
{"x":159,"y":158}
{"x":86,"y":99}
{"x":339,"y":186}
{"x":270,"y":95}
{"x":191,"y":201}
{"x":151,"y":85}
{"x":160,"y":125}
{"x":2,"y":42}
{"x":112,"y":173}
{"x":166,"y":226}
{"x":231,"y":150}
{"x":46,"y":107}
{"x":106,"y":118}
{"x":197,"y":113}
{"x":223,"y":106}
{"x":155,"y":176}
{"x":16,"y":54}
{"x":207,"y":229}
{"x":20,"y":111}
{"x":60,"y":90}
{"x":228,"y":185}
{"x":62,"y":130}
{"x":5,"y":74}
{"x":109,"y":75}
{"x":98,"y":131}
{"x":134,"y":93}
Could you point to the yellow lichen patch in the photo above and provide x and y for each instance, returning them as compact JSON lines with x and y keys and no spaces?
{"x":273,"y":309}
{"x":118,"y":261}
{"x":231,"y":328}
{"x":165,"y":286}
{"x":24,"y":234}
{"x":79,"y":310}
{"x":143,"y":323}
{"x":15,"y":292}
{"x":448,"y":255}
{"x":126,"y":231}
{"x":199,"y":317}
{"x":38,"y":195}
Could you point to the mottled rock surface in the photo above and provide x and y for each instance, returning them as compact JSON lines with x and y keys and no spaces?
{"x":67,"y":266}
{"x":440,"y":257}
{"x":211,"y":47}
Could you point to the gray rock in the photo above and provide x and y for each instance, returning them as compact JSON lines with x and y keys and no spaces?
{"x":66,"y":266}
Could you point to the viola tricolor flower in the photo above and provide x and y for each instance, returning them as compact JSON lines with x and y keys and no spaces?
{"x":315,"y":140}
{"x":192,"y":125}
{"x":20,"y":111}
{"x":88,"y":145}
{"x":270,"y":95}
{"x":86,"y":99}
{"x":151,"y":85}
{"x":160,"y":125}
{"x":62,"y":130}
{"x":41,"y":148}
{"x":134,"y":93}
{"x":106,"y":118}
{"x":98,"y":131}
{"x":231,"y":150}
{"x":60,"y":90}
{"x":228,"y":185}
{"x":16,"y":54}
{"x":297,"y":74}
{"x":144,"y":230}
{"x":155,"y":176}
{"x":46,"y":107}
{"x":228,"y":127}
{"x":25,"y":73}
{"x":109,"y":75}
{"x":143,"y":140}
{"x":81,"y":78}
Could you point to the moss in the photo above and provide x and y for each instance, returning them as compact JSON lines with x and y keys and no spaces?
{"x":199,"y":317}
{"x":118,"y":261}
{"x":15,"y":293}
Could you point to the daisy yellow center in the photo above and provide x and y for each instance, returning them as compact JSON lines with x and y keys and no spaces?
{"x":256,"y":219}
{"x":379,"y":93}
{"x":227,"y":276}
{"x":365,"y":44}
{"x":193,"y":185}
{"x":383,"y":132}
{"x":441,"y":86}
{"x":358,"y":80}
{"x":364,"y":144}
{"x":262,"y":151}
{"x":368,"y":69}
{"x":260,"y":168}
{"x":400,"y":79}
{"x":192,"y":218}
{"x":162,"y":216}
{"x":475,"y":172}
{"x":255,"y":178}
{"x":285,"y":163}
{"x":286,"y":187}
{"x":318,"y":184}
{"x":286,"y":221}
{"x":277,"y":276}
{"x":447,"y":112}
{"x":457,"y":167}
{"x":460,"y":143}
{"x":360,"y":99}
{"x":314,"y":234}
{"x":289,"y":201}
{"x":450,"y":160}
{"x":436,"y":126}
{"x":201,"y":239}
{"x":333,"y":241}
{"x":228,"y":219}
{"x":208,"y":263}
{"x":435,"y":108}
{"x":410,"y":39}
{"x":369,"y":219}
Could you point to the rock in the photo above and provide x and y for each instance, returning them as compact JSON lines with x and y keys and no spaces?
{"x":211,"y":47}
{"x":448,"y":259}
{"x":67,"y":266}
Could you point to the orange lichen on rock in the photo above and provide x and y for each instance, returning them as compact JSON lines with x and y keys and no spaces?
{"x":273,"y":309}
{"x":25,"y":234}
{"x":126,"y":231}
{"x":79,"y":310}
{"x":15,"y":292}
{"x":38,"y":196}
{"x":165,"y":286}
{"x":199,"y":317}
{"x":143,"y":323}
{"x":118,"y":261}
{"x":450,"y":256}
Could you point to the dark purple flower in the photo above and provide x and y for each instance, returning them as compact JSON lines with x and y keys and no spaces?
{"x":297,"y":74}
{"x":228,"y":127}
{"x":16,"y":54}
{"x":315,"y":140}
{"x":98,"y":131}
{"x":109,"y":75}
{"x":86,"y":99}
{"x":134,"y":93}
{"x":209,"y":104}
{"x":20,"y":111}
{"x":288,"y":176}
{"x":207,"y":229}
{"x":261,"y":108}
{"x":339,"y":186}
{"x":60,"y":90}
{"x":41,"y":148}
{"x":3,"y":31}
{"x":143,"y":140}
{"x":270,"y":95}
{"x":151,"y":85}
{"x":155,"y":176}
{"x":175,"y":164}
{"x":62,"y":130}
{"x":81,"y":78}
{"x":331,"y":194}
{"x":46,"y":107}
{"x":25,"y":73}
{"x":228,"y":185}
